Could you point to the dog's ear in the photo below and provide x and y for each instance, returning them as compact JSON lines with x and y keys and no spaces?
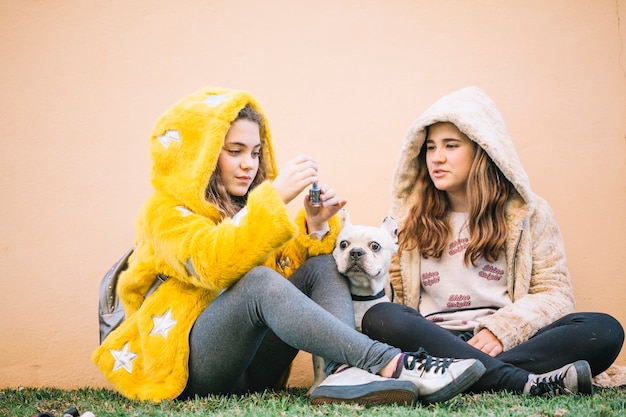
{"x":344,"y":218}
{"x":391,"y":226}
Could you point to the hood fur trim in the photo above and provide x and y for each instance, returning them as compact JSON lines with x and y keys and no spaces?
{"x":187,"y":140}
{"x":474,"y":114}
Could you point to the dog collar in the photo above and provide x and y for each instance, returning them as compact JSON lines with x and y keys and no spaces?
{"x":381,"y":294}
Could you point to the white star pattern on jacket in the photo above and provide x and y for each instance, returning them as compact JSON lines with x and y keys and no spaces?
{"x":168,"y":137}
{"x":184,"y":211}
{"x":163,"y":324}
{"x":124,"y":358}
{"x":215,"y":100}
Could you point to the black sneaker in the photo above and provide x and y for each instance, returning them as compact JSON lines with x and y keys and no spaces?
{"x":439,"y":379}
{"x":574,"y":378}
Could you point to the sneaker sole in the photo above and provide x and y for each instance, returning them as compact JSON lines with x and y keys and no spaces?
{"x":370,"y":394}
{"x":584,"y":378}
{"x":460,"y":384}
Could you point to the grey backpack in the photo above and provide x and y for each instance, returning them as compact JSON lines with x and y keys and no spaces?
{"x":110,"y":312}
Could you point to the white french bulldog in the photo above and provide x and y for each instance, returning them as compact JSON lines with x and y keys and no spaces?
{"x":363,"y":255}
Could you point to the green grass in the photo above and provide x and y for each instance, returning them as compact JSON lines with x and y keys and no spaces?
{"x":24,"y":402}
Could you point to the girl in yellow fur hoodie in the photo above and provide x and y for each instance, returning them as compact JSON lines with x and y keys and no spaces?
{"x":481,"y":269}
{"x":217,"y":234}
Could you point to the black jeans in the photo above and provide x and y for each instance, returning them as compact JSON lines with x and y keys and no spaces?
{"x":594,"y":337}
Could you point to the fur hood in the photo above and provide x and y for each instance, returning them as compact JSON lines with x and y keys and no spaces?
{"x":474,"y":114}
{"x":193,"y":131}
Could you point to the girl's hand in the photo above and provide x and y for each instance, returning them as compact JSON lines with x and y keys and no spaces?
{"x":299,"y":173}
{"x":317,"y":216}
{"x":486,"y":342}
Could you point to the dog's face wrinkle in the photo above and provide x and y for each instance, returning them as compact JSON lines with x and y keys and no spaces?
{"x":354,"y":268}
{"x":360,"y":282}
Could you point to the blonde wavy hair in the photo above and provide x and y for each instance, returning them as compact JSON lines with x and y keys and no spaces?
{"x":216,"y":193}
{"x":427,"y":228}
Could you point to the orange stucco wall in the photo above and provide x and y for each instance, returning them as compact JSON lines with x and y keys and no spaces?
{"x":84,"y":81}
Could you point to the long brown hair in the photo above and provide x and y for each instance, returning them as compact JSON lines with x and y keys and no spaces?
{"x":426,"y":226}
{"x":216,"y":193}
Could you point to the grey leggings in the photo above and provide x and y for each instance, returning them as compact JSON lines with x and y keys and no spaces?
{"x":247,"y":338}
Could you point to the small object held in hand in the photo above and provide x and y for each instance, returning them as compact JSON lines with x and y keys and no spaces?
{"x":314,"y":195}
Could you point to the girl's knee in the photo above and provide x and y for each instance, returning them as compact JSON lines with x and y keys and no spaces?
{"x":319,"y":272}
{"x":262,"y":276}
{"x":320,"y":262}
{"x":606,"y":322}
{"x":606,"y":331}
{"x":382,"y":315}
{"x":615,"y":331}
{"x":260,"y":272}
{"x":380,"y":311}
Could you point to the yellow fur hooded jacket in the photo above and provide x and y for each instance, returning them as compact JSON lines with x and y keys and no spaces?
{"x":538,"y":279}
{"x":181,"y":236}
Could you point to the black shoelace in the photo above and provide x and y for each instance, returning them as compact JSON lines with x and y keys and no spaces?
{"x":426,"y":361}
{"x":549,"y":385}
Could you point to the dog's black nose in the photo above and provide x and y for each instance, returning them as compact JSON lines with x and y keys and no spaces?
{"x":356,"y":253}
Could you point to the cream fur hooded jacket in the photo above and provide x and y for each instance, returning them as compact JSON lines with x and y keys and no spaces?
{"x":181,"y":236}
{"x":538,"y":280}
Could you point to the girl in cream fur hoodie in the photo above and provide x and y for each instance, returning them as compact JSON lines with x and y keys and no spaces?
{"x":481,"y":269}
{"x":217,"y":234}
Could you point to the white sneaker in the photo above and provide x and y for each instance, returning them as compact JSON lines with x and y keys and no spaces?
{"x":574,"y":378}
{"x":439,"y":379}
{"x":354,"y":385}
